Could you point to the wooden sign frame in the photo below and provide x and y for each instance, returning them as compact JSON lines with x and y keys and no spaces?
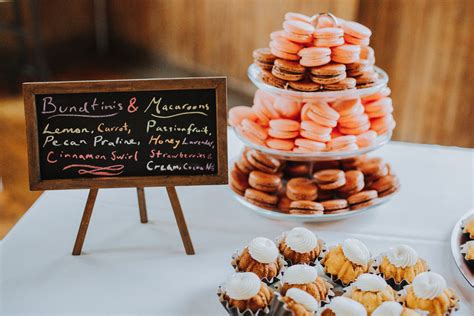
{"x":30,"y":90}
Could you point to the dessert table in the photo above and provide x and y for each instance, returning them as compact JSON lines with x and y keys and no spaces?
{"x":132,"y":268}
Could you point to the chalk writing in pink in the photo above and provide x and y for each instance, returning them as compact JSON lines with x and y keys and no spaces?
{"x":114,"y":170}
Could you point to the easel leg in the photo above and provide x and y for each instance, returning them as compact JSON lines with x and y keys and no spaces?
{"x":86,"y":216}
{"x":142,"y":205}
{"x":178,"y":214}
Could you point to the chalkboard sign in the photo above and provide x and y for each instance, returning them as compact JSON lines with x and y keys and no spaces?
{"x":125,"y":133}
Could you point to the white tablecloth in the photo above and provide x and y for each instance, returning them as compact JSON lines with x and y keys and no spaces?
{"x":133,"y":268}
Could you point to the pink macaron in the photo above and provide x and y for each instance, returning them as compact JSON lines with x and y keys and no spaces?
{"x":328,"y":37}
{"x":263,"y":107}
{"x":366,"y":139}
{"x":383,"y":124}
{"x":238,"y":113}
{"x":353,"y":121}
{"x":348,"y":107}
{"x":345,"y":54}
{"x":356,"y":30}
{"x":254,"y":129}
{"x":309,"y":145}
{"x":314,"y":56}
{"x":384,"y":92}
{"x":293,"y":16}
{"x":287,"y":108}
{"x":314,"y":131}
{"x":298,"y":27}
{"x":379,"y":108}
{"x":341,"y":142}
{"x":285,"y":45}
{"x":284,"y":129}
{"x":280,"y":144}
{"x":322,"y":114}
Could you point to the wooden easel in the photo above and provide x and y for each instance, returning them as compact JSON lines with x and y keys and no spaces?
{"x":178,"y":214}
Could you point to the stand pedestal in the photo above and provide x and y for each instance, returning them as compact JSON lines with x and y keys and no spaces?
{"x":178,"y":214}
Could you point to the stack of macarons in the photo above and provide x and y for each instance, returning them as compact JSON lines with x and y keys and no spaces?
{"x":317,"y":54}
{"x":280,"y":123}
{"x":326,"y":187}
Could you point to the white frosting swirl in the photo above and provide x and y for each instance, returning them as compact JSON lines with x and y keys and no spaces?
{"x":388,"y":309}
{"x":343,"y":306}
{"x":263,"y":250}
{"x":370,"y":283}
{"x":466,"y":246}
{"x":303,"y":298}
{"x":300,"y":274}
{"x":355,"y":251}
{"x":301,"y":240}
{"x":242,"y":285}
{"x":402,"y":256}
{"x":428,"y":285}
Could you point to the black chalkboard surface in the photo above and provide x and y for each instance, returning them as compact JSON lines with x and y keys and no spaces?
{"x":126,"y":133}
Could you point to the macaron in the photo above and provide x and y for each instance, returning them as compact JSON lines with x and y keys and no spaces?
{"x":263,"y":107}
{"x":309,"y":145}
{"x":298,"y":27}
{"x":262,"y":162}
{"x":314,"y":56}
{"x":356,"y":41}
{"x":267,"y":77}
{"x":373,"y":168}
{"x":263,"y":58}
{"x":250,"y":136}
{"x":367,"y":53}
{"x":243,"y":164}
{"x":363,"y":199}
{"x":358,"y":68}
{"x":354,"y":182}
{"x":342,"y":143}
{"x":382,"y":124}
{"x":386,"y":185}
{"x":366,"y":79}
{"x":280,"y":144}
{"x":284,"y":128}
{"x":282,"y":54}
{"x":288,"y":70}
{"x":330,"y":179}
{"x":345,"y":54}
{"x":379,"y":108}
{"x":304,"y":85}
{"x":348,"y":83}
{"x":255,"y":129}
{"x":314,"y":131}
{"x":328,"y":37}
{"x":261,"y":199}
{"x":238,"y":180}
{"x":297,"y":169}
{"x":347,"y":107}
{"x":284,"y":204}
{"x":356,"y":30}
{"x":366,"y":139}
{"x":384,"y":92}
{"x":238,"y":113}
{"x":285,"y":45}
{"x":305,"y":207}
{"x":287,"y":108}
{"x":301,"y":189}
{"x":335,"y":206}
{"x":329,"y":73}
{"x":266,"y":182}
{"x":298,"y":38}
{"x":323,"y":114}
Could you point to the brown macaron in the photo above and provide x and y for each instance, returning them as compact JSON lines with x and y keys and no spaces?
{"x":335,"y":206}
{"x":284,"y":204}
{"x":373,"y":168}
{"x":329,"y":179}
{"x":385,"y":185}
{"x":265,"y":182}
{"x":357,"y":68}
{"x":301,"y":189}
{"x":288,"y":70}
{"x":262,"y":162}
{"x":363,"y":199}
{"x":238,"y":181}
{"x":304,"y":85}
{"x":267,"y":77}
{"x":263,"y":58}
{"x":305,"y":207}
{"x":348,"y":83}
{"x":243,"y":164}
{"x":297,"y":169}
{"x":261,"y":199}
{"x":366,"y":79}
{"x":328,"y":74}
{"x":354,"y":182}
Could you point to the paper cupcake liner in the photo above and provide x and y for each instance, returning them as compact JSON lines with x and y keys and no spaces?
{"x":269,"y":282}
{"x":278,"y":307}
{"x":321,"y":244}
{"x":402,"y":295}
{"x":278,"y":286}
{"x":334,"y":278}
{"x":397,"y":286}
{"x":234,"y":311}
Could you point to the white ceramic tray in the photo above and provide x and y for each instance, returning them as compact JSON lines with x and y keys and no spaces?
{"x":315,"y":156}
{"x":276,"y":214}
{"x":253,"y":70}
{"x":457,"y":239}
